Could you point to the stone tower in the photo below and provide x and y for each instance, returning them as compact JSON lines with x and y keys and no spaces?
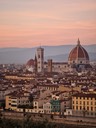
{"x":35,"y":64}
{"x":50,"y":65}
{"x":40,"y":60}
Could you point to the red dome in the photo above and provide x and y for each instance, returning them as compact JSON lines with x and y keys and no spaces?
{"x":30,"y":63}
{"x":78,"y":55}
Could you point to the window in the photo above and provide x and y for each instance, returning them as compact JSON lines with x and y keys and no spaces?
{"x":54,"y":107}
{"x":35,"y":106}
{"x":13,"y":101}
{"x":87,"y":108}
{"x":13,"y":105}
{"x":38,"y":56}
{"x":76,"y":107}
{"x":83,"y":102}
{"x":91,"y":108}
{"x":42,"y":55}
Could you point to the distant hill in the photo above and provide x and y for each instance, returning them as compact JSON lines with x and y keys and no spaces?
{"x":64,"y":57}
{"x":57,"y":53}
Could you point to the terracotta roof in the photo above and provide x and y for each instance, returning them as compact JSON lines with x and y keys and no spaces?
{"x":85,"y":95}
{"x":78,"y":52}
{"x":30,"y":62}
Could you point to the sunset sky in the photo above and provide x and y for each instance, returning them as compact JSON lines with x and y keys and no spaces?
{"x":29,"y":23}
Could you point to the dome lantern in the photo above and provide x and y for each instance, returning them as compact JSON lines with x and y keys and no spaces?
{"x":78,"y":42}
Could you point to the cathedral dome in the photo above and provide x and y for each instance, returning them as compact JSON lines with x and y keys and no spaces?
{"x":78,"y":55}
{"x":30,"y":65}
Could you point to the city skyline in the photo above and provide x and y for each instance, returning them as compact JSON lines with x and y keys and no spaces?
{"x":41,"y":22}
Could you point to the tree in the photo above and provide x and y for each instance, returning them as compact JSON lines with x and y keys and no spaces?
{"x":0,"y":117}
{"x":3,"y":105}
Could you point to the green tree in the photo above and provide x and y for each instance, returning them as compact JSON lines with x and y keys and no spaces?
{"x":3,"y":105}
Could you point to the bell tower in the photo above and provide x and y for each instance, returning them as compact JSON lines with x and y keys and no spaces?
{"x":40,"y":59}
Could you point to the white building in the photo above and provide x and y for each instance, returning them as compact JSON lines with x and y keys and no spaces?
{"x":47,"y":107}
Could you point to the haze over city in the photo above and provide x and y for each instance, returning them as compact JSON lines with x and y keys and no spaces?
{"x":47,"y":22}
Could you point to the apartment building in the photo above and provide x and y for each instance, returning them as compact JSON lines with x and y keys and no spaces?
{"x":47,"y":107}
{"x":17,"y":99}
{"x":84,"y":105}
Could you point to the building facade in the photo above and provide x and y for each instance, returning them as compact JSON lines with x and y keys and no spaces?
{"x":84,"y":105}
{"x":55,"y":106}
{"x":47,"y":107}
{"x":14,"y":101}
